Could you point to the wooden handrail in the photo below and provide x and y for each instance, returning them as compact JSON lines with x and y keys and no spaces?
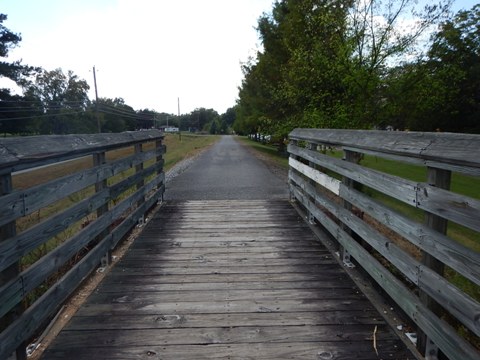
{"x":108,"y":198}
{"x":314,"y":182}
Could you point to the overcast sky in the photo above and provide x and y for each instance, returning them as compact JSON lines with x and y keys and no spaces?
{"x":148,"y":52}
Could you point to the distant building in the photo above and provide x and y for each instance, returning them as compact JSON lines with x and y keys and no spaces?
{"x":169,"y":129}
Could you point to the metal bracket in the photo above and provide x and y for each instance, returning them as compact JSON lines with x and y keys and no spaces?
{"x":431,"y":350}
{"x":311,"y":218}
{"x":105,"y":260}
{"x":346,"y":259}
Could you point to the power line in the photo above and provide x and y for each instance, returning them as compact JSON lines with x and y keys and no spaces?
{"x":41,"y":116}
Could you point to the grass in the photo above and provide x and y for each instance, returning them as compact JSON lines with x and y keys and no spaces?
{"x":189,"y":144}
{"x":269,"y":150}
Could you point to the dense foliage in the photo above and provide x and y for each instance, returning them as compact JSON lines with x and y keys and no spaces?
{"x":357,"y":64}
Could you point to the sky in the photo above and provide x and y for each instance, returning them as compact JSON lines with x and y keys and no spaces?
{"x":148,"y":52}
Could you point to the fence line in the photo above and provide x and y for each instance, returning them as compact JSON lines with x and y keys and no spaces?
{"x":96,"y":206}
{"x":334,"y":193}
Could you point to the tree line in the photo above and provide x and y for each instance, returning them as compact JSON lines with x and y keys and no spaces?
{"x":56,"y":102}
{"x":363,"y":64}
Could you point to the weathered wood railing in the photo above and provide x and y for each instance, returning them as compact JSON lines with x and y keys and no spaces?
{"x":363,"y":225}
{"x":122,"y":178}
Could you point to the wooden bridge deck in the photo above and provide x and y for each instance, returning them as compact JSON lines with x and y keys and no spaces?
{"x":231,"y":280}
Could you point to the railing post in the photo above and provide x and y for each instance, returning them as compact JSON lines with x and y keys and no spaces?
{"x":311,"y":218}
{"x":439,"y":178}
{"x":158,"y":147}
{"x":8,"y":231}
{"x":353,"y":157}
{"x":138,"y":168}
{"x":98,"y":160}
{"x":292,"y":196}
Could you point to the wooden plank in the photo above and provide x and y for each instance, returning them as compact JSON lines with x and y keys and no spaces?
{"x":362,"y":350}
{"x":290,"y":294}
{"x":455,"y":207}
{"x":461,"y":209}
{"x":320,"y":178}
{"x":167,"y":321}
{"x":394,"y":186}
{"x":229,"y":294}
{"x":144,"y":285}
{"x":441,"y":333}
{"x":449,"y":251}
{"x":25,"y":202}
{"x":447,"y":148}
{"x":10,"y":310}
{"x":16,"y":247}
{"x":37,"y":273}
{"x":41,"y":150}
{"x":459,"y":304}
{"x":26,"y":325}
{"x":230,"y":335}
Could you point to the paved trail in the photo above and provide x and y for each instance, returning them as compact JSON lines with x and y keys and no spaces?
{"x":227,"y":171}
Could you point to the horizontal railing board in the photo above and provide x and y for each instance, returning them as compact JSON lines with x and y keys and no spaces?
{"x":441,"y":333}
{"x":390,"y":185}
{"x":19,"y":154}
{"x":11,"y":250}
{"x":25,"y":202}
{"x":39,"y":271}
{"x":455,"y":207}
{"x":134,"y":179}
{"x":450,"y":148}
{"x":472,"y":171}
{"x":320,"y":178}
{"x":26,"y":153}
{"x":460,"y":258}
{"x":461,"y":209}
{"x":27,"y":323}
{"x":456,"y":302}
{"x":453,"y":254}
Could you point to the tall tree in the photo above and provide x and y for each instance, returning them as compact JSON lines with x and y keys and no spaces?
{"x":116,"y":116}
{"x":15,"y":113}
{"x":381,"y":35}
{"x":324,"y":63}
{"x":61,"y":96}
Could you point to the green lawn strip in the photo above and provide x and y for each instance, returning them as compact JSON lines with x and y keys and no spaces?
{"x":188,"y":145}
{"x":270,"y":150}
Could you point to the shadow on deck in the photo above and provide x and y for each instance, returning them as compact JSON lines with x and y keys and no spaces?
{"x":232,"y":280}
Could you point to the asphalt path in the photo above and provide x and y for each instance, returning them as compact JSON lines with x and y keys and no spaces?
{"x":227,"y":171}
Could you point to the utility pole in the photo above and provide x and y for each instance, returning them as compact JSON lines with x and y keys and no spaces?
{"x":96,"y":100}
{"x":179,"y":131}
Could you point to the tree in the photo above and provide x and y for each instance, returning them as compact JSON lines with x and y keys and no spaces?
{"x":15,"y":113}
{"x":326,"y":63}
{"x":61,"y":98}
{"x":297,"y":79}
{"x":454,"y":66}
{"x":227,"y":119}
{"x":441,"y":92}
{"x":381,"y":34}
{"x":116,"y":116}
